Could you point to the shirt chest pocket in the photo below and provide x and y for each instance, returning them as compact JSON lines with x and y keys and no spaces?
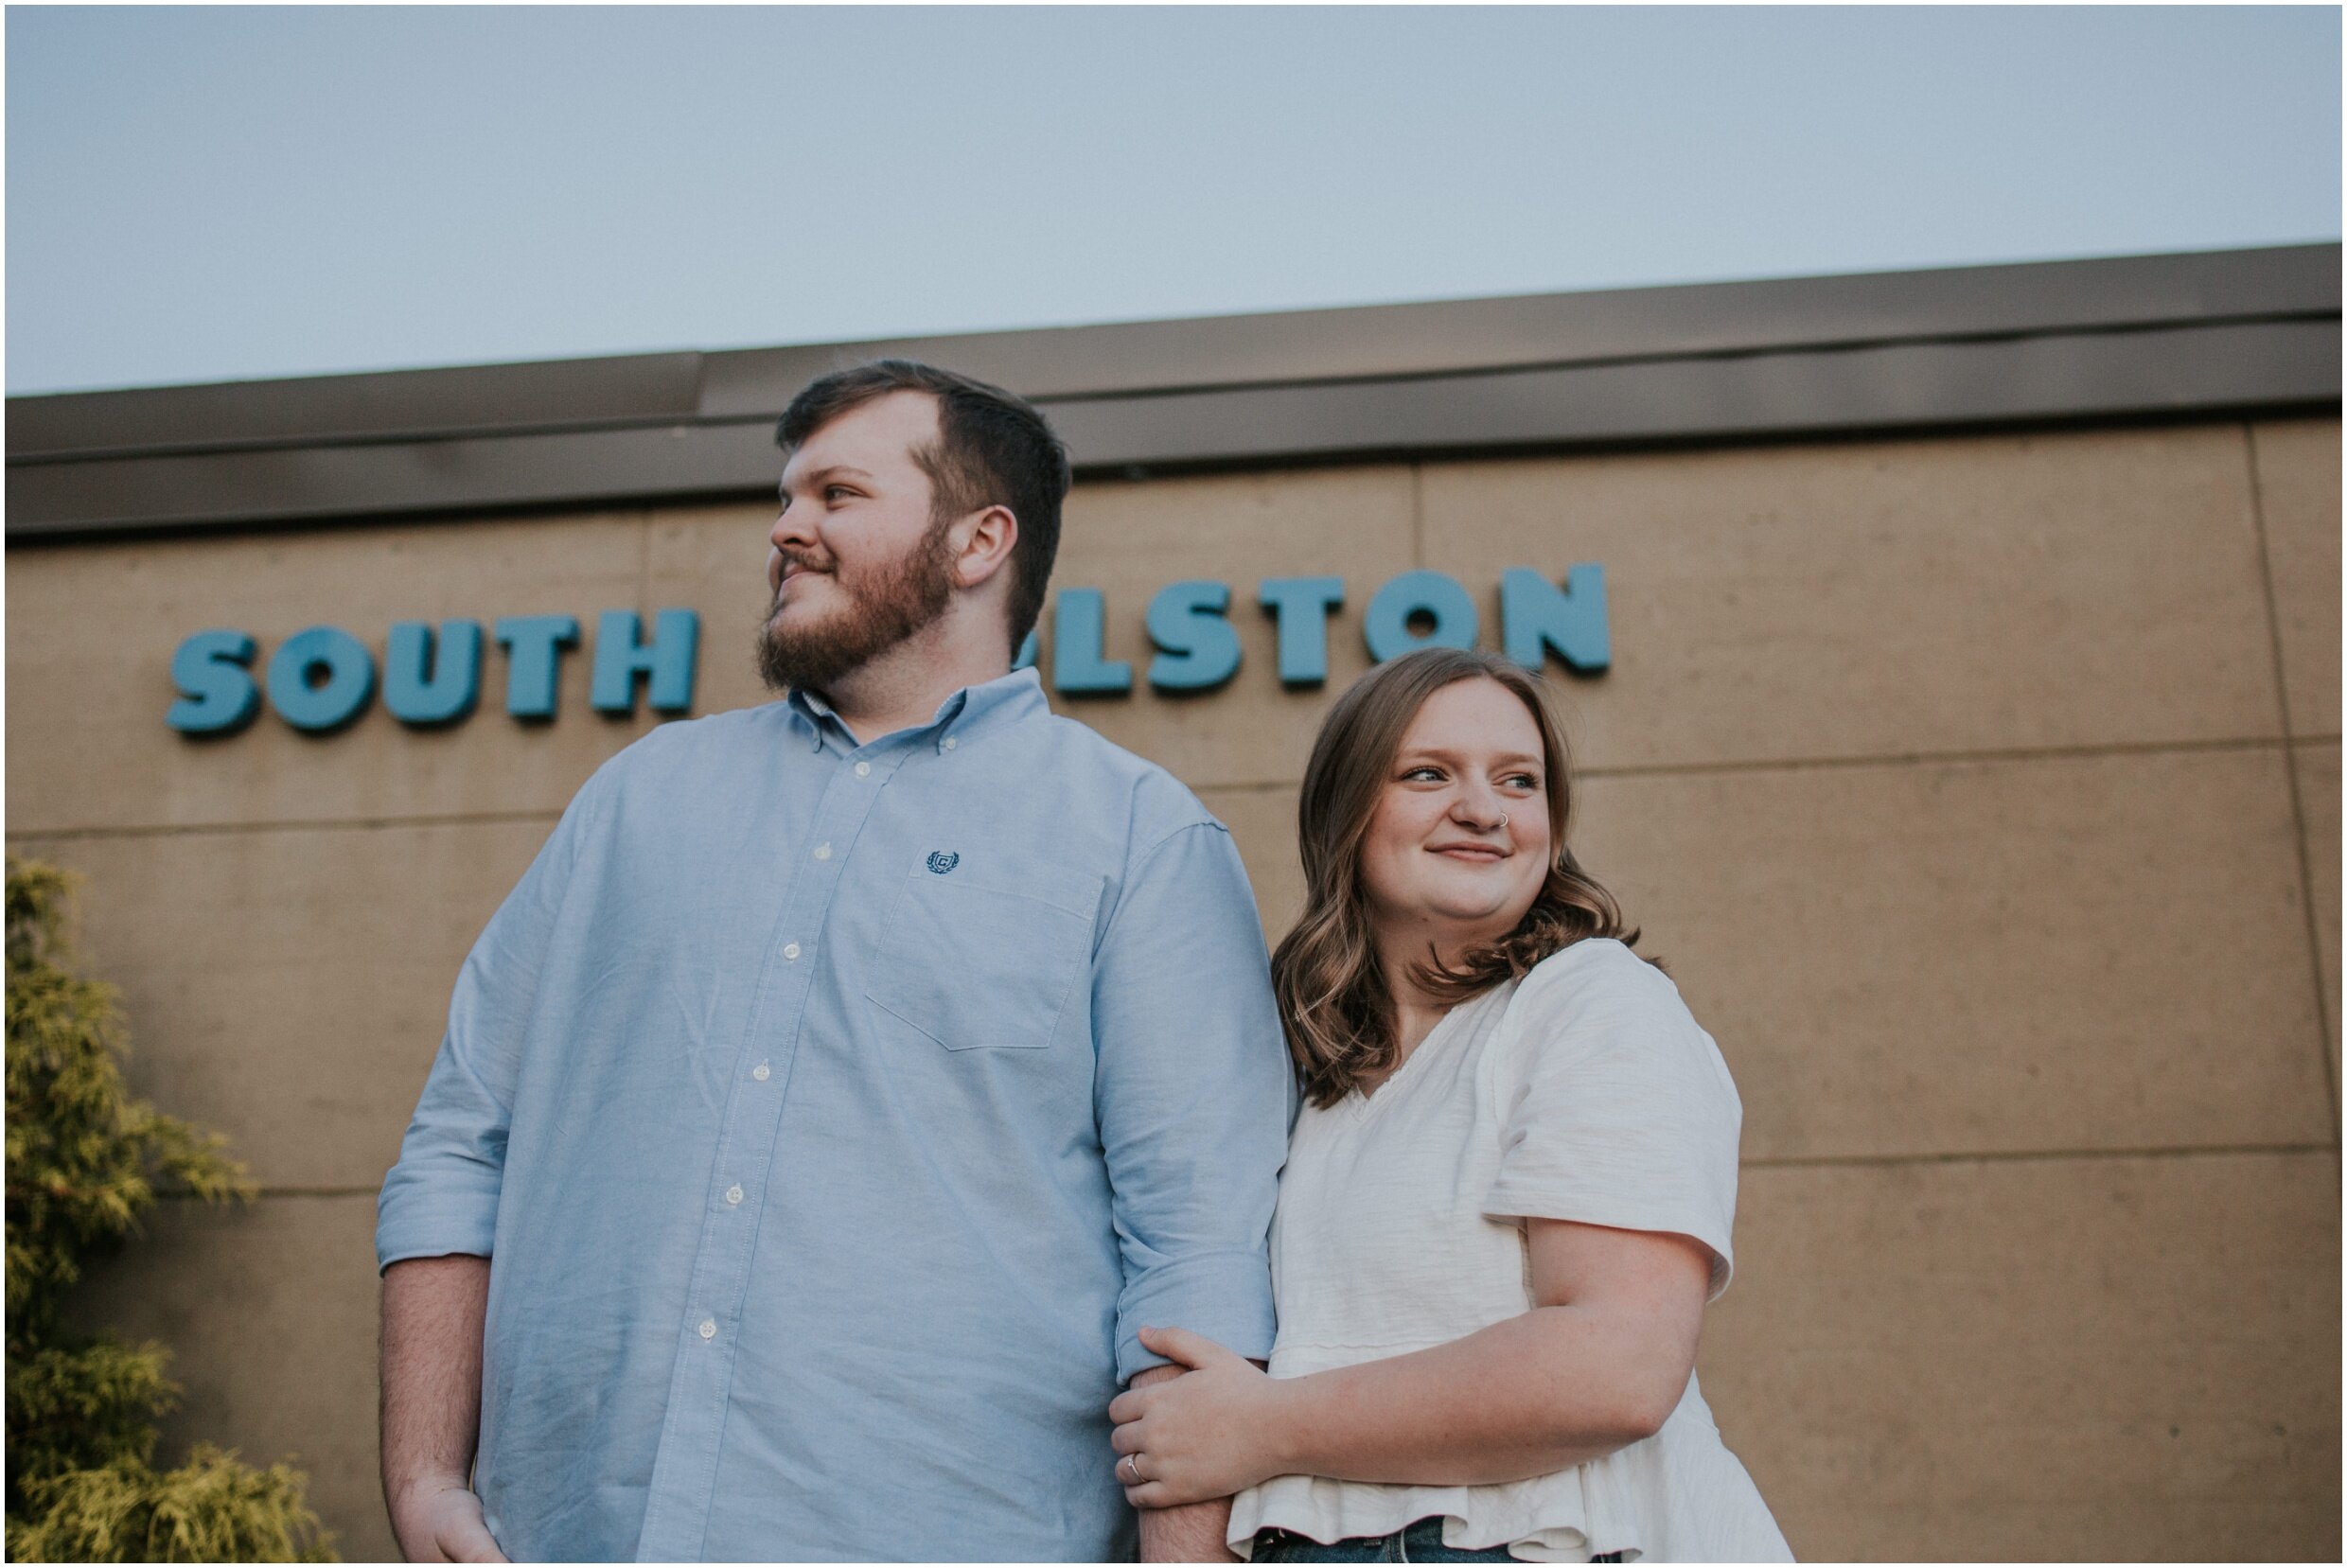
{"x":981,"y":962}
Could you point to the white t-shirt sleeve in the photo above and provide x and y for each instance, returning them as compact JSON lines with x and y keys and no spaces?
{"x":1615,"y":1106}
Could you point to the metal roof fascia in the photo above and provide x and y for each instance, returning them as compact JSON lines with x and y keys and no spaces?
{"x":1856,"y":391}
{"x":1059,"y":363}
{"x":579,"y":468}
{"x":334,"y":409}
{"x":2157,"y":371}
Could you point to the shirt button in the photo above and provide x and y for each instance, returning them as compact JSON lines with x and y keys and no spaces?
{"x":949,"y":743}
{"x":733,"y":1193}
{"x":762,"y":1072}
{"x":863,"y":770}
{"x":822,"y":852}
{"x":709,"y":1327}
{"x":790,"y":950}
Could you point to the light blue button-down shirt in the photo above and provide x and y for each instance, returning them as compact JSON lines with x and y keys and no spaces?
{"x":832,"y":1115}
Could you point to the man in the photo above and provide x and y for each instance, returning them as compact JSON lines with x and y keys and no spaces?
{"x":847,"y":1081}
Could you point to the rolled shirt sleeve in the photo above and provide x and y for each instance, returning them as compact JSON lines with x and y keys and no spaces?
{"x":442,"y":1195}
{"x":1619,"y":1109}
{"x":1194,"y":1096}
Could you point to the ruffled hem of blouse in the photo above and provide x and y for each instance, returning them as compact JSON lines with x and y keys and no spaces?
{"x":1569,"y":1516}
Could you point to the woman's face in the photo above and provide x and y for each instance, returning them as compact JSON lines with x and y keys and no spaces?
{"x":1457,"y":844}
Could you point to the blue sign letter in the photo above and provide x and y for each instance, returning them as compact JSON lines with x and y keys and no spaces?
{"x":1077,"y":627}
{"x":1534,"y":617}
{"x":216,"y":695}
{"x":668,"y":657}
{"x":533,"y":646}
{"x":1198,"y":650}
{"x":1386,"y":625}
{"x":329,"y":703}
{"x":1302,"y":606}
{"x":452,"y":685}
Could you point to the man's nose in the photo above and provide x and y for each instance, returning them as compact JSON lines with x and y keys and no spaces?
{"x":793,"y":530}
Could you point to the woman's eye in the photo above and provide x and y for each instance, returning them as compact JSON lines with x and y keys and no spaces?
{"x":1522,"y":781}
{"x":1432,"y":774}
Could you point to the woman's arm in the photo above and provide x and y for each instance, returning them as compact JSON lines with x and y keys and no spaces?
{"x":1597,"y":1364}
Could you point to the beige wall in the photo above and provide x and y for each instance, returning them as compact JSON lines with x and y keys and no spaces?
{"x":1983,"y":793}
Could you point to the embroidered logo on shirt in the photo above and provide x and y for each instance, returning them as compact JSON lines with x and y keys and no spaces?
{"x":942,"y":862}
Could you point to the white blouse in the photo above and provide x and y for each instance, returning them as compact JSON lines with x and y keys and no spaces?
{"x":1584,"y":1092}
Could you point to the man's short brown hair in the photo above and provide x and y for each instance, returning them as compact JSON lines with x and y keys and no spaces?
{"x":992,"y":450}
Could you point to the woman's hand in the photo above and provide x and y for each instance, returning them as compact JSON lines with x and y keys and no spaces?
{"x":1213,"y":1430}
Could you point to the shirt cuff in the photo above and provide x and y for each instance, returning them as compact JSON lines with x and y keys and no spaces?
{"x":415,"y":1220}
{"x":1223,"y":1295}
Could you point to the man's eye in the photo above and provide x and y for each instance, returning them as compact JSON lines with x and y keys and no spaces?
{"x":832,"y":492}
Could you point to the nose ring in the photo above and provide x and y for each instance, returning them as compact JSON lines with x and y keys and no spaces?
{"x":1503,"y":819}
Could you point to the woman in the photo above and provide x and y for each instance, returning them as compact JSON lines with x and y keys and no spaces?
{"x":1507,"y":1201}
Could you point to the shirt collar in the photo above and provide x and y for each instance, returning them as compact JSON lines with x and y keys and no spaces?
{"x":968,"y":710}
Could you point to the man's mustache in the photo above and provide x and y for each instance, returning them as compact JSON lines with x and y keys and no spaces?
{"x":798,"y":561}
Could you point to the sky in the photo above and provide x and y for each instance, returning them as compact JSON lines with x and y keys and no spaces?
{"x":199,"y":194}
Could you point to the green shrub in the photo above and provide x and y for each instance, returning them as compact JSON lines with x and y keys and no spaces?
{"x":84,"y":1160}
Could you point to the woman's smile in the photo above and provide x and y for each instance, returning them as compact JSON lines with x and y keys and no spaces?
{"x":1474,"y":854}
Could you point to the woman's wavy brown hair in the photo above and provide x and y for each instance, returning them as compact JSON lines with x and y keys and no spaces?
{"x":1334,"y":997}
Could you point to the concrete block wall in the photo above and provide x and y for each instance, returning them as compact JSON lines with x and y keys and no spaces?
{"x":1983,"y":793}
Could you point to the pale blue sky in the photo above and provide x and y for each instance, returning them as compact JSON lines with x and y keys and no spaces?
{"x":217,"y":194}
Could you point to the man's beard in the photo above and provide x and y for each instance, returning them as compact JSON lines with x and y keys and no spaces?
{"x":897,"y":602}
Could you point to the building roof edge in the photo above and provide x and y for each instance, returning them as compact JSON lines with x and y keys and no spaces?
{"x":2160,"y":335}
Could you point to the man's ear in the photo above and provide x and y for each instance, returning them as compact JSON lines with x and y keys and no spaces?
{"x":987,"y":540}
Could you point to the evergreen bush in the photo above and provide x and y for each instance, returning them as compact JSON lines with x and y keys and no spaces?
{"x":84,"y":1160}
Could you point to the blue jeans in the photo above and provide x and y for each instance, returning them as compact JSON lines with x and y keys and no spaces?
{"x":1421,"y":1542}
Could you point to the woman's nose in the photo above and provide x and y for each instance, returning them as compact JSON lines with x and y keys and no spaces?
{"x":1480,"y":808}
